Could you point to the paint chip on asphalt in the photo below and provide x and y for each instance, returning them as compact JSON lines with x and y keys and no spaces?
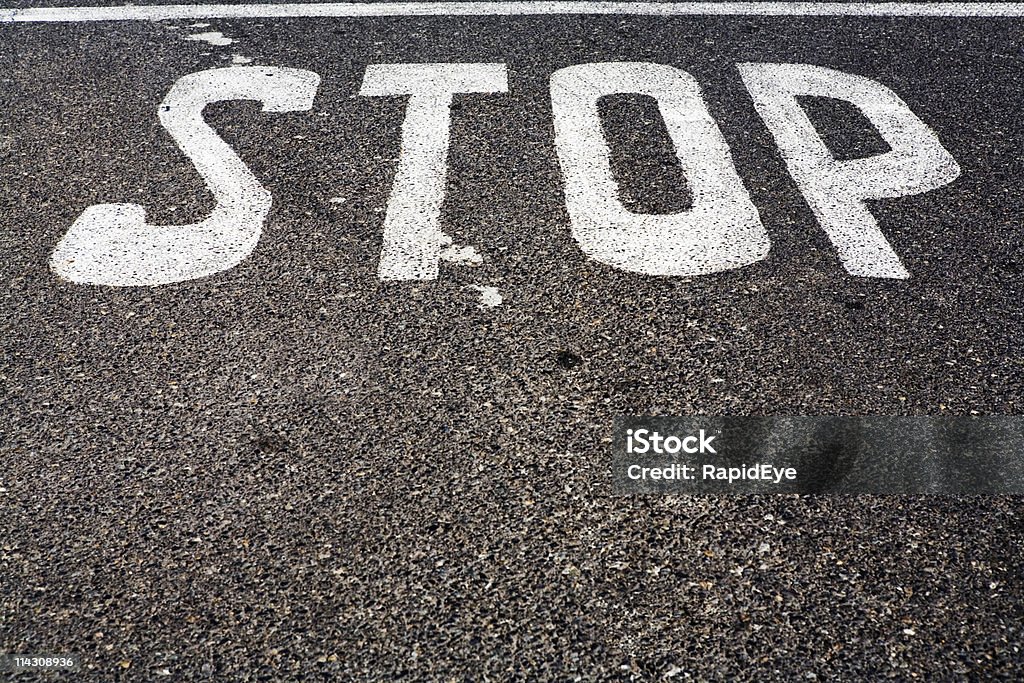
{"x":212,"y":37}
{"x":467,"y":256}
{"x":489,"y":296}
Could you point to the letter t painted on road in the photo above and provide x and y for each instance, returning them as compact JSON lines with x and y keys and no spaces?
{"x":413,"y":239}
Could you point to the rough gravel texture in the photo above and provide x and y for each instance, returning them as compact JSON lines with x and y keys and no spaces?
{"x":292,"y":471}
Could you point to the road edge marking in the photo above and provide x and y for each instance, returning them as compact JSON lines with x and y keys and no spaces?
{"x":522,"y":8}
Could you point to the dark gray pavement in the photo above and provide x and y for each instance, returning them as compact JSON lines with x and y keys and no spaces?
{"x":292,"y":471}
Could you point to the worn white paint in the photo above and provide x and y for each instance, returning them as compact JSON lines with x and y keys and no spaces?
{"x":215,"y":38}
{"x":526,"y":8}
{"x":836,"y":190}
{"x":722,"y":229}
{"x":240,"y":60}
{"x":413,"y":239}
{"x":111,"y":244}
{"x":489,"y":296}
{"x":465,"y":256}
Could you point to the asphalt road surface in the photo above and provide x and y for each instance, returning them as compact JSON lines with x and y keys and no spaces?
{"x":293,"y":469}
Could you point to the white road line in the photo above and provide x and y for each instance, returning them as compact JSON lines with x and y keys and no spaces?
{"x":562,"y":7}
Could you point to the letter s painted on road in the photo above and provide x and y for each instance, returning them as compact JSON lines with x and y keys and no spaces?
{"x":111,"y":244}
